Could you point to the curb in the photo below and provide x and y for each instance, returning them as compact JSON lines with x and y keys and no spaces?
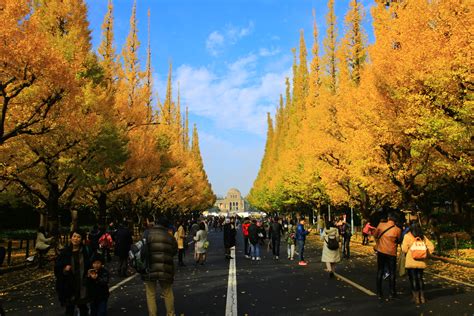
{"x":452,"y":261}
{"x":14,"y":268}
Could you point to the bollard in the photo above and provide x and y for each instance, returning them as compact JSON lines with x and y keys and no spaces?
{"x":456,"y":244}
{"x":9,"y":253}
{"x":27,"y":249}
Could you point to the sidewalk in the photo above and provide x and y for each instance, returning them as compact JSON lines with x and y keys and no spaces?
{"x":446,"y":268}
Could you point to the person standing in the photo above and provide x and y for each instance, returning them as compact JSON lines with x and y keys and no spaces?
{"x":301,"y":233}
{"x":254,"y":240}
{"x":245,"y":232}
{"x":229,"y":237}
{"x":321,"y":224}
{"x":42,"y":246}
{"x":331,"y":254}
{"x":98,"y":286}
{"x":346,"y":240}
{"x":201,"y":244}
{"x":162,"y":247}
{"x":416,"y":266}
{"x":366,"y":232}
{"x":387,"y":235}
{"x":180,"y":236}
{"x":274,"y":232}
{"x":70,"y":271}
{"x":290,"y":240}
{"x":123,"y":242}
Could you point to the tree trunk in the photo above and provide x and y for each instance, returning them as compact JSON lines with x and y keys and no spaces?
{"x":74,"y":216}
{"x":102,"y":203}
{"x":53,"y":207}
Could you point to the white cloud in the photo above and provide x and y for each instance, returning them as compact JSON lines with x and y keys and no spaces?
{"x":218,"y":40}
{"x":236,"y":100}
{"x":214,"y":43}
{"x":265,"y":52}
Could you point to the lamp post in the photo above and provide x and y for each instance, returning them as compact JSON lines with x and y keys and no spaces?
{"x":352,"y":220}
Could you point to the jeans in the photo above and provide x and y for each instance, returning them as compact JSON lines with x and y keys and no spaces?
{"x":255,"y":250}
{"x":300,"y":244}
{"x":276,"y":246}
{"x":346,"y":244}
{"x":416,"y":279}
{"x":246,"y":245}
{"x":386,"y":263}
{"x":166,"y":293}
{"x":99,"y":308}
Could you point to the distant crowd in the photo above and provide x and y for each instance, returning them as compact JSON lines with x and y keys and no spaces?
{"x":82,"y":280}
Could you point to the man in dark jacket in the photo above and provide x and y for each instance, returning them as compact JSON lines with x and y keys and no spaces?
{"x":274,"y":232}
{"x":229,"y":237}
{"x":162,"y":247}
{"x":123,"y":242}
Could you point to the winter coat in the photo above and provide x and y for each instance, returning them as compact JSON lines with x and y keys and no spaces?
{"x":368,"y":229}
{"x":180,"y":235}
{"x":229,"y":235}
{"x":275,"y":231}
{"x":328,"y":254}
{"x":162,"y":248}
{"x":71,"y":285}
{"x":245,"y":229}
{"x":387,"y":244}
{"x":253,"y":233}
{"x":42,"y":243}
{"x":291,"y":235}
{"x":123,"y":242}
{"x":301,"y":232}
{"x":98,"y":289}
{"x":200,"y":238}
{"x":411,"y":263}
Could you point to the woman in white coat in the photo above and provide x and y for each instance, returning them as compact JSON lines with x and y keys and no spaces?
{"x":201,"y":242}
{"x":332,"y":256}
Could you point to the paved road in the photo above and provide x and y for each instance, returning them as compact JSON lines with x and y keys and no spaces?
{"x":264,"y":287}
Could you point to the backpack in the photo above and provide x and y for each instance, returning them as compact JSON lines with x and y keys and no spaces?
{"x":332,"y":243}
{"x":105,"y":241}
{"x":138,"y":256}
{"x":418,"y":249}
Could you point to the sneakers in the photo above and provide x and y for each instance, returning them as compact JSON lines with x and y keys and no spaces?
{"x":276,"y":257}
{"x":302,"y":263}
{"x":253,"y":258}
{"x":247,"y":257}
{"x":291,"y":259}
{"x":258,"y":258}
{"x":386,"y":275}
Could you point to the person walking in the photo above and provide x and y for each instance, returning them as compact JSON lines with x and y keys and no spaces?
{"x":275,"y":231}
{"x":291,"y":240}
{"x":98,"y":286}
{"x":70,"y":271}
{"x":180,"y":236}
{"x":301,"y":233}
{"x":245,"y":233}
{"x":367,"y":232}
{"x":162,"y":247}
{"x":346,"y":240}
{"x":415,"y":264}
{"x":42,"y":246}
{"x":387,"y":235}
{"x":229,"y":237}
{"x":255,"y":235}
{"x":331,"y":254}
{"x":123,"y":242}
{"x":321,"y":224}
{"x":201,"y":244}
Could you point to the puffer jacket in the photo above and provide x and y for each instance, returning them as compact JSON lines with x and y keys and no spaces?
{"x":162,"y":247}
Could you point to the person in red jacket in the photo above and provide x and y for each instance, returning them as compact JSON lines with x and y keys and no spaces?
{"x":245,"y":232}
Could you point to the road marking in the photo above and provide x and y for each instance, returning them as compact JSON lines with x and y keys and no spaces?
{"x":357,"y":286}
{"x":448,"y":278}
{"x":130,"y":278}
{"x":27,"y":282}
{"x":231,"y":304}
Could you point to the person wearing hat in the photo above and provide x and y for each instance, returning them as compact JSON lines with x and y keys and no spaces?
{"x":98,"y":286}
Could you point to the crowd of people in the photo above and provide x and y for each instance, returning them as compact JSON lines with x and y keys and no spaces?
{"x":82,"y":277}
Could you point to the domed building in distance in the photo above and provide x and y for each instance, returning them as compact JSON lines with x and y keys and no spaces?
{"x":232,"y":204}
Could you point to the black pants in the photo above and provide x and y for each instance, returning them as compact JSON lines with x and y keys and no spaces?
{"x":180,"y":255}
{"x":246,"y":245}
{"x":346,"y":245}
{"x":123,"y":266}
{"x":276,"y":246}
{"x":83,"y":310}
{"x":365,"y":241}
{"x":416,"y":279}
{"x":386,"y":263}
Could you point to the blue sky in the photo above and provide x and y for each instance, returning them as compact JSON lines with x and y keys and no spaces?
{"x":231,"y":58}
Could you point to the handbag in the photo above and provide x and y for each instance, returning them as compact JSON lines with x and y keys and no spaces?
{"x":401,"y":264}
{"x":205,"y":245}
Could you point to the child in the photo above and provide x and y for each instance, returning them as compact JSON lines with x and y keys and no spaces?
{"x":98,"y":286}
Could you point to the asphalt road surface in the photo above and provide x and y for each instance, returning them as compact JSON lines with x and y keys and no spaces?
{"x":267,"y":287}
